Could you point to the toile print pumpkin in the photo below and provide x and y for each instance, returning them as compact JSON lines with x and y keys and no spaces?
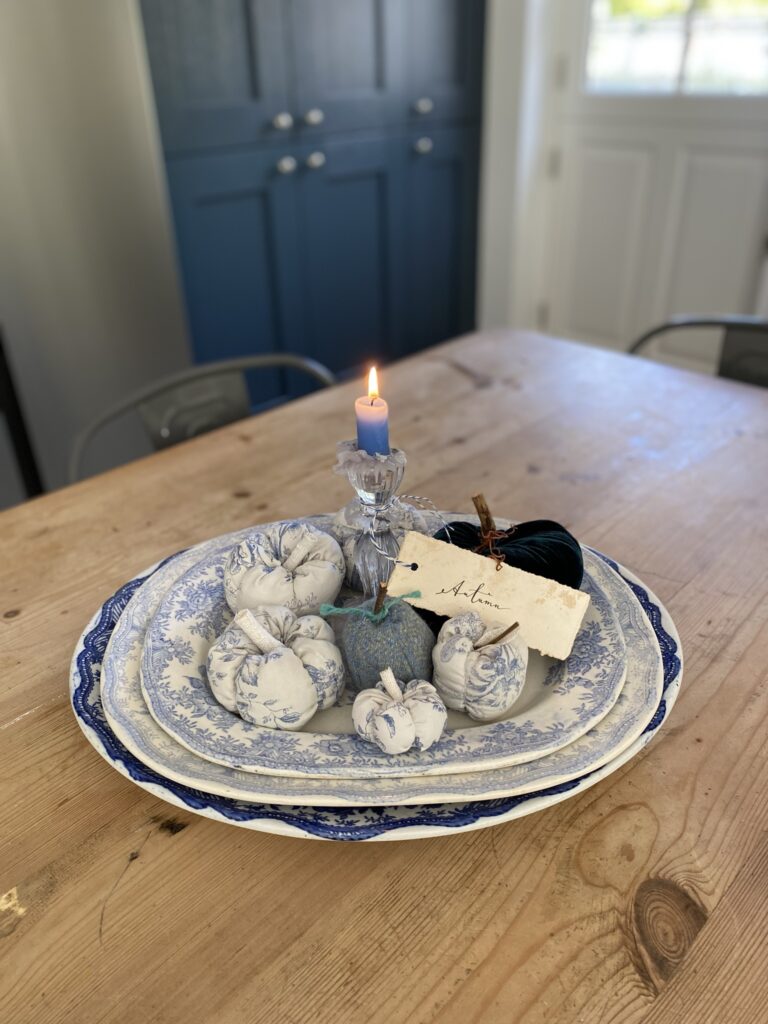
{"x":473,"y":674}
{"x":274,"y":668}
{"x":291,"y":564}
{"x":398,"y":717}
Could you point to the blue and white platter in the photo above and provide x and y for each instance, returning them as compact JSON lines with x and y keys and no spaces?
{"x":131,"y":722}
{"x":561,"y":701}
{"x":345,"y":823}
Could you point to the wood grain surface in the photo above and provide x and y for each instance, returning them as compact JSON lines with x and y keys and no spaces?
{"x":643,"y":899}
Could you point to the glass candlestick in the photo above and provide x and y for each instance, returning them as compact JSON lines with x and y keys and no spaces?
{"x":375,"y":520}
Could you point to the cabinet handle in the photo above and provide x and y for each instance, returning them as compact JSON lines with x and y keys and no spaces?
{"x":283,"y":121}
{"x":424,"y":105}
{"x":286,"y":164}
{"x":423,"y":145}
{"x":314,"y":116}
{"x":316,"y":160}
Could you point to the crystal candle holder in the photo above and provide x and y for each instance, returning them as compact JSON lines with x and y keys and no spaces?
{"x":375,"y":515}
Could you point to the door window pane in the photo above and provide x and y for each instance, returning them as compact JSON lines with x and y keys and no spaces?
{"x":636,"y":45}
{"x":728,"y":50}
{"x":678,"y":46}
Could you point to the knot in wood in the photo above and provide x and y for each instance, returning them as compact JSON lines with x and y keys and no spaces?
{"x":666,"y":920}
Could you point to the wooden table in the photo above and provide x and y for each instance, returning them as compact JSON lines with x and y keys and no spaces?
{"x":644,"y":899}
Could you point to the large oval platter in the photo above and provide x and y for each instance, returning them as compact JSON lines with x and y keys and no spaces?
{"x":345,"y":824}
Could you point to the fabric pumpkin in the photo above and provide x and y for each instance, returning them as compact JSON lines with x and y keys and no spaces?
{"x":274,"y":668}
{"x":400,"y":640}
{"x":541,"y":546}
{"x":294,"y":565}
{"x":398,"y":718}
{"x":473,"y":675}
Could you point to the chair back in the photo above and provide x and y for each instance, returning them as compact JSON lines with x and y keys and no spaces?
{"x":194,"y":407}
{"x":195,"y":400}
{"x":745,"y":353}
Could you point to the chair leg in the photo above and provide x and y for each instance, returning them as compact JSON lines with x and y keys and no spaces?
{"x":17,"y":428}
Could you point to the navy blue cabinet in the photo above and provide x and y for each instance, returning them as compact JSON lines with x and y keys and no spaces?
{"x":347,"y":63}
{"x":442,"y":59}
{"x":238,"y":244}
{"x":322,"y":165}
{"x":440,"y":211}
{"x":219,"y":70}
{"x":352,"y":240}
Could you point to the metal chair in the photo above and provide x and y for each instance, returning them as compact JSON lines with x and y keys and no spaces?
{"x":744,"y":354}
{"x":10,"y":408}
{"x":194,"y":401}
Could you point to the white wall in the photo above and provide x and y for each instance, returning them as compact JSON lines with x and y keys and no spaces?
{"x":513,"y":113}
{"x":89,"y":295}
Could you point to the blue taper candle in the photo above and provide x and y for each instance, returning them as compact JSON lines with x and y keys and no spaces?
{"x":372,"y":414}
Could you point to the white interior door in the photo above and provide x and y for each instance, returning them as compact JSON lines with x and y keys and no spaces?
{"x":656,"y":160}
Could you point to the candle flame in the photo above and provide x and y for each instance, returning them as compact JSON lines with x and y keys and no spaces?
{"x":373,"y":384}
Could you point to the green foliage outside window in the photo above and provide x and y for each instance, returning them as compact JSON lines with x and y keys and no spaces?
{"x":667,"y":8}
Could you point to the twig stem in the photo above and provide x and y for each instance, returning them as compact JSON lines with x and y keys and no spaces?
{"x":500,"y":637}
{"x":487,"y":525}
{"x":382,"y":593}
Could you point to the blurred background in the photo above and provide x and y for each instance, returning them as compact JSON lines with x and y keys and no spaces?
{"x":187,"y":181}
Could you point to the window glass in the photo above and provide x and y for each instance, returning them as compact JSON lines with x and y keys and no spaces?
{"x":687,"y":46}
{"x":728,"y":51}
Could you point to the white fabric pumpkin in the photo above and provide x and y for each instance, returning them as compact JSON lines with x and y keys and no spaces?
{"x":290,"y":564}
{"x":274,"y":668}
{"x":398,"y":718}
{"x":473,"y":675}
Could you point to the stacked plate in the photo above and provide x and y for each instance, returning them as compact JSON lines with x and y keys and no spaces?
{"x":140,"y":694}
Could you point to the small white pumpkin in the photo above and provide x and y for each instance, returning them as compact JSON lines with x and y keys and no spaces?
{"x":473,"y":674}
{"x":276,"y":669}
{"x":398,"y":718}
{"x":290,"y":564}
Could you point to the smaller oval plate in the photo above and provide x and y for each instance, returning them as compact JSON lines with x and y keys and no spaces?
{"x":560,"y":702}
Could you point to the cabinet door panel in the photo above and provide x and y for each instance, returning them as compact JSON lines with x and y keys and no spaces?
{"x":218,"y":68}
{"x":238,"y":246}
{"x":347,"y":61}
{"x":439,"y":257}
{"x":351,"y":242}
{"x":443,"y":47}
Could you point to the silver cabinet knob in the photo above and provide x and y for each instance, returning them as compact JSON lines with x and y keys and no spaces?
{"x":287,"y":164}
{"x":423,"y":145}
{"x":424,"y":105}
{"x":316,"y":160}
{"x":283,"y":121}
{"x":314,"y":116}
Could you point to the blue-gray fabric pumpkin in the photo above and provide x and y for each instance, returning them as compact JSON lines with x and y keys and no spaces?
{"x":397,"y":638}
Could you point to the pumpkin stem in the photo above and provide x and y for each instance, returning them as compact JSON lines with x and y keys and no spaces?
{"x":382,"y":593}
{"x":488,"y":530}
{"x":487,"y":525}
{"x":500,"y":637}
{"x":390,"y":684}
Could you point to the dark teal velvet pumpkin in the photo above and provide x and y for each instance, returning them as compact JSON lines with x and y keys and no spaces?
{"x":542,"y":547}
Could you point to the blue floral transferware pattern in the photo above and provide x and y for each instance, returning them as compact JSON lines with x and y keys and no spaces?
{"x":355,"y":824}
{"x":128,"y":716}
{"x":575,"y":696}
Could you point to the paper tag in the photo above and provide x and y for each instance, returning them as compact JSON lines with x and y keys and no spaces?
{"x":453,"y":580}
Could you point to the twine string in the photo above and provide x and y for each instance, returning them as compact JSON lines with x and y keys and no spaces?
{"x":489,"y":538}
{"x":415,"y":499}
{"x":331,"y":609}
